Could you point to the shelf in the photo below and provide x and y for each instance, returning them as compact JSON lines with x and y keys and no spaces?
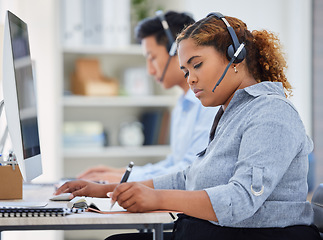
{"x":110,"y":111}
{"x":119,"y":101}
{"x":134,"y":49}
{"x":112,"y":152}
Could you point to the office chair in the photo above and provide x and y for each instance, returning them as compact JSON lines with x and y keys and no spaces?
{"x":317,"y":204}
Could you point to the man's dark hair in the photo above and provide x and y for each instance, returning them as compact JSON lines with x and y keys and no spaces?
{"x":152,"y":27}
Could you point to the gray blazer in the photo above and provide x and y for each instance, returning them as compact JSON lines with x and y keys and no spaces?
{"x":255,"y":169}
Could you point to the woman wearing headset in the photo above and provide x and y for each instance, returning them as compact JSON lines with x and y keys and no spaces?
{"x":250,"y":182}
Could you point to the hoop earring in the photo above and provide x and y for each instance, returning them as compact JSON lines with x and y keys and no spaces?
{"x":235,"y":69}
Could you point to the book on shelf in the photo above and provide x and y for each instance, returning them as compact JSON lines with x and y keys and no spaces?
{"x":84,"y":134}
{"x":164,"y":132}
{"x":72,"y":22}
{"x":123,"y":23}
{"x":93,"y":22}
{"x":96,"y":22}
{"x":155,"y":127}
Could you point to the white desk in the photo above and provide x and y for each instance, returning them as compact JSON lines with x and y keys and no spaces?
{"x":82,"y":221}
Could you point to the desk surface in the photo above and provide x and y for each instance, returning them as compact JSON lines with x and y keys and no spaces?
{"x":84,"y":220}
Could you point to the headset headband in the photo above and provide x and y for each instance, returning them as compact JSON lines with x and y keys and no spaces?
{"x":171,"y":46}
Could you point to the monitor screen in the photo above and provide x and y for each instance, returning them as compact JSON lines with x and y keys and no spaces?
{"x":25,"y":87}
{"x":19,"y":97}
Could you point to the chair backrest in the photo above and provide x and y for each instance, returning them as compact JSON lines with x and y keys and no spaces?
{"x":317,"y":204}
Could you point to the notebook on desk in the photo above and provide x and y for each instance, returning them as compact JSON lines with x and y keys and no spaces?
{"x":102,"y":205}
{"x":93,"y":204}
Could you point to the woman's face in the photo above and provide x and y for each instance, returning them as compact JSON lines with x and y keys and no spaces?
{"x":156,"y":59}
{"x":203,"y":67}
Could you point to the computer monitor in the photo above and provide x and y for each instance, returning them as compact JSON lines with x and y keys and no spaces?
{"x":19,"y":97}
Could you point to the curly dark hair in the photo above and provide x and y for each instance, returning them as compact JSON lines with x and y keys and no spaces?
{"x":265,"y":59}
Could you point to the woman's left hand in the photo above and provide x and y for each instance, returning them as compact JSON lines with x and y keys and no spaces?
{"x":136,"y":197}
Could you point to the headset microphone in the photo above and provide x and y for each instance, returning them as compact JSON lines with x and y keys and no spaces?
{"x":236,"y":52}
{"x":229,"y":64}
{"x":171,"y":54}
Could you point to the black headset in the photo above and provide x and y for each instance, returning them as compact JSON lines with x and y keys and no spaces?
{"x":171,"y":46}
{"x":236,"y":52}
{"x":232,"y":49}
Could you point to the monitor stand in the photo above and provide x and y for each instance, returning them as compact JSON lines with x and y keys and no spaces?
{"x":10,"y":175}
{"x":5,"y":132}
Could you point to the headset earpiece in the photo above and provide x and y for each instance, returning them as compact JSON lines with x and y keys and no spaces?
{"x":239,"y":58}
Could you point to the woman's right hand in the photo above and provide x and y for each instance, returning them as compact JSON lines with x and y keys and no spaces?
{"x":85,"y":188}
{"x":137,"y":197}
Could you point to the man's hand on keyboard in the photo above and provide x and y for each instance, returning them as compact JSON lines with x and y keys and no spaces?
{"x":85,"y":188}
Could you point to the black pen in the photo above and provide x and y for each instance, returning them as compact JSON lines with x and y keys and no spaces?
{"x":124,"y":179}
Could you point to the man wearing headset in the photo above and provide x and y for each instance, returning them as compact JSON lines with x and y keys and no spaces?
{"x":190,"y":121}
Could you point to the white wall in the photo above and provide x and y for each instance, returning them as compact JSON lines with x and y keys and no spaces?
{"x":291,"y":19}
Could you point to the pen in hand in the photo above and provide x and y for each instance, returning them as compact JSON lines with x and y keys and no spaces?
{"x":124,"y":179}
